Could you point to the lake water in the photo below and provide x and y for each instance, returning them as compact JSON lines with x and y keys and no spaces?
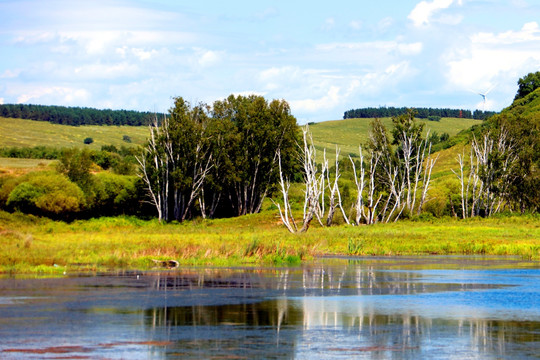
{"x":373,"y":308}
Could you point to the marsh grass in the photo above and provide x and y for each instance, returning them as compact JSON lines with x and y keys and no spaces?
{"x":31,"y":244}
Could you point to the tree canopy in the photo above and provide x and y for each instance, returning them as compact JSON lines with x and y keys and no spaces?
{"x":221,"y":159}
{"x":75,"y":115}
{"x":528,"y":84}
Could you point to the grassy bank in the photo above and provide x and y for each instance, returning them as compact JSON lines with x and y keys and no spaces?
{"x":30,"y":244}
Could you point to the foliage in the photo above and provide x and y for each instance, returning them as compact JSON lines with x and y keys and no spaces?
{"x":46,"y":193}
{"x":423,"y":113}
{"x":527,"y":85}
{"x":115,"y":194}
{"x":30,"y":243}
{"x":348,"y":134}
{"x":36,"y":152}
{"x":524,"y":131}
{"x":74,"y":115}
{"x":76,"y":164}
{"x":88,"y":140}
{"x":203,"y":160}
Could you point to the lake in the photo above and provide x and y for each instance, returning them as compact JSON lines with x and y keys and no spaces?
{"x":444,"y":307}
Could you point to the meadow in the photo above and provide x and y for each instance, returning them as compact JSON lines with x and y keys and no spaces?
{"x":29,"y":133}
{"x":350,"y":133}
{"x":39,"y":245}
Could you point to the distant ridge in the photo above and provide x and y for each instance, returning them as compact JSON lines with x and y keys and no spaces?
{"x":75,"y":115}
{"x":423,"y":113}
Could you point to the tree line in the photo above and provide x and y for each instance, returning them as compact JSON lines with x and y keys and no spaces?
{"x":75,"y":116}
{"x":224,"y":159}
{"x":422,"y":113}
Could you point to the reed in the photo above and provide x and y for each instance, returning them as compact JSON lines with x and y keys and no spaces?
{"x":30,"y":244}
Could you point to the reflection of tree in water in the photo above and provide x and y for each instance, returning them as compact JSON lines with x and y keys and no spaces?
{"x":281,"y":328}
{"x":248,"y":330}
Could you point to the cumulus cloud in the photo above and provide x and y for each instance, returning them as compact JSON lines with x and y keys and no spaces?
{"x":492,"y":58}
{"x":328,"y":101}
{"x":491,"y":54}
{"x":423,"y":12}
{"x":41,"y":94}
{"x":1,"y":101}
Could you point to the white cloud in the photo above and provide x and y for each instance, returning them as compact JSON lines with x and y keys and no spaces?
{"x":208,"y":57}
{"x":142,"y":54}
{"x":1,"y":101}
{"x":330,"y":100}
{"x":508,"y":54}
{"x":530,"y":32}
{"x":424,"y":10}
{"x":387,"y":47}
{"x":106,"y":71}
{"x":329,"y":24}
{"x":65,"y":94}
{"x":410,"y":49}
{"x":10,"y":74}
{"x":355,"y":25}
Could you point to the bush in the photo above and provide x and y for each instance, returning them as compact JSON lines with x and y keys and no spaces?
{"x":115,"y":194}
{"x":46,"y":193}
{"x":434,"y":118}
{"x":88,"y":140}
{"x":126,"y":138}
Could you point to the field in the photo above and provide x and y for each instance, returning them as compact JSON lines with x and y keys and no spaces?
{"x":350,"y":133}
{"x":31,"y":244}
{"x":28,"y":133}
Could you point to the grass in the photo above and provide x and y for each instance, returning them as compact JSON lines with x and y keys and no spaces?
{"x":30,"y":244}
{"x":350,"y":133}
{"x":29,"y":133}
{"x":13,"y":166}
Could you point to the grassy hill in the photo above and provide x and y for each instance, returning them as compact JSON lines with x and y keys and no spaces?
{"x":28,"y":133}
{"x":350,"y":133}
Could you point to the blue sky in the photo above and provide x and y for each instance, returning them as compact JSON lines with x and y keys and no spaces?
{"x":323,"y":59}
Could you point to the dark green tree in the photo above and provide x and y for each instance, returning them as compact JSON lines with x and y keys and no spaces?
{"x":528,"y":84}
{"x":261,"y":129}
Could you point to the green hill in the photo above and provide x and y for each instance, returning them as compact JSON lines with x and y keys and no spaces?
{"x":29,"y":133}
{"x":350,"y":133}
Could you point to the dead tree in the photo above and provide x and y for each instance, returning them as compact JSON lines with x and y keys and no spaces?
{"x":490,"y":169}
{"x":314,"y":181}
{"x":154,"y":170}
{"x":334,"y":197}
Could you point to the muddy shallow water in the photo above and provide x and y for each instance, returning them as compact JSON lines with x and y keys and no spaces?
{"x":407,"y":307}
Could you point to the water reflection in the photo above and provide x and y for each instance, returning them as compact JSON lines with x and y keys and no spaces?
{"x":332,"y":309}
{"x":289,"y":328}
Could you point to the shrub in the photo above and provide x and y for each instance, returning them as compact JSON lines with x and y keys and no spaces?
{"x":126,"y":138}
{"x":115,"y":194}
{"x":46,"y":193}
{"x":88,"y":140}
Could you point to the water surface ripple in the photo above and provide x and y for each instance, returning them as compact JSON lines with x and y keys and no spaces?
{"x":334,"y":308}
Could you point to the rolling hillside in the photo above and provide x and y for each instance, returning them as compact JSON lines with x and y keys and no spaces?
{"x":28,"y":133}
{"x":350,"y":133}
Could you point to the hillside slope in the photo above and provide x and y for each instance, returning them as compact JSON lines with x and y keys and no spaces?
{"x":350,"y":133}
{"x":28,"y":133}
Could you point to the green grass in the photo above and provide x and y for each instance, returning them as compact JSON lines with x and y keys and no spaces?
{"x":350,"y":133}
{"x":29,"y":133}
{"x":30,"y":244}
{"x":14,"y":163}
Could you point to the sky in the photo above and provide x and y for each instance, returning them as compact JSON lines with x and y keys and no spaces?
{"x":323,"y":59}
